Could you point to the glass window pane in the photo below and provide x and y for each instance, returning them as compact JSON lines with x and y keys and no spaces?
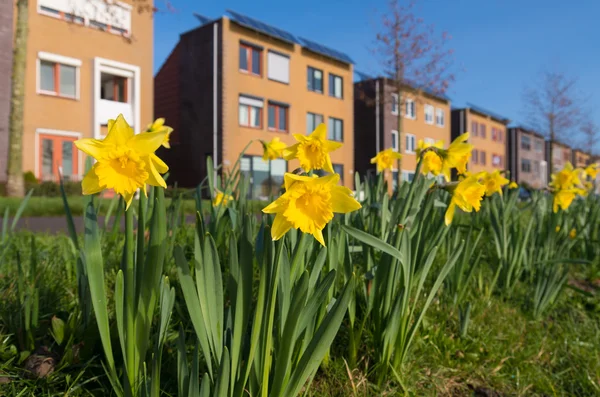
{"x":254,"y":116}
{"x":282,"y":119}
{"x":331,"y":85}
{"x":67,"y":159}
{"x":318,"y":81}
{"x":310,"y":123}
{"x":278,"y":170}
{"x":318,"y":119}
{"x":121,"y":83}
{"x":67,"y":80}
{"x":260,"y":179}
{"x":255,"y":62}
{"x":271,"y":116}
{"x":47,"y":76}
{"x":47,"y":158}
{"x":243,"y":115}
{"x":338,"y":87}
{"x":243,"y":58}
{"x":331,"y":129}
{"x":309,"y":79}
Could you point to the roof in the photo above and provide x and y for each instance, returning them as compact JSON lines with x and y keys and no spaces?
{"x":363,"y":77}
{"x":485,"y":112}
{"x":528,"y":131}
{"x":287,"y":37}
{"x":203,"y":20}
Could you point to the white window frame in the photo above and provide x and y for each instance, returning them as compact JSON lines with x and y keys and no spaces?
{"x":429,"y":111}
{"x":440,"y":114}
{"x":429,"y":141}
{"x":62,"y":60}
{"x":395,"y":100}
{"x":395,"y":133}
{"x":413,"y":114}
{"x":414,"y":143}
{"x":36,"y":151}
{"x":120,"y":69}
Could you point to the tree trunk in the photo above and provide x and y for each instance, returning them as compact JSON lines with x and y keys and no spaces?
{"x":401,"y":105}
{"x":15,"y":183}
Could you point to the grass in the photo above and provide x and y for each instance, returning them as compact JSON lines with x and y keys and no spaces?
{"x":53,"y":206}
{"x":505,"y":351}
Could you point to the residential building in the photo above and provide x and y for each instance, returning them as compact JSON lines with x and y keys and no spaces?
{"x":487,"y":135}
{"x":561,"y":155}
{"x":234,"y":81}
{"x":6,"y":45}
{"x":526,"y":158}
{"x":87,"y":61}
{"x":581,"y":158}
{"x":377,"y":110}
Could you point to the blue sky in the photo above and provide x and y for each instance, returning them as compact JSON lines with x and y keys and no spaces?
{"x":500,"y":45}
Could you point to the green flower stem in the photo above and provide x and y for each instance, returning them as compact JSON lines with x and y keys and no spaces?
{"x":129,"y":281}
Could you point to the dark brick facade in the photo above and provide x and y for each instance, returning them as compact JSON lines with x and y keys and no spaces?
{"x":182,"y":97}
{"x":518,"y":151}
{"x":6,"y":44}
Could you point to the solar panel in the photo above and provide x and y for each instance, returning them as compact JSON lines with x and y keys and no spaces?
{"x":360,"y":76}
{"x":203,"y":20}
{"x":484,"y":111}
{"x":262,"y":27}
{"x":328,"y":52}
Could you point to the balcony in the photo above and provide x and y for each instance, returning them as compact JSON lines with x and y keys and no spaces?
{"x":111,"y":109}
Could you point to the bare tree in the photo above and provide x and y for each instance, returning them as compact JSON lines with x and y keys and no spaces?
{"x":590,"y":135}
{"x":413,"y":57}
{"x":553,"y":107}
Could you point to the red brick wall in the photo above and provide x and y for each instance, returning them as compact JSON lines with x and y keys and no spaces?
{"x":167,"y":93}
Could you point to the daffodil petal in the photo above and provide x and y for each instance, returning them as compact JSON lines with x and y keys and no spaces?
{"x":90,"y":183}
{"x":276,"y":206}
{"x":147,"y":143}
{"x":154,"y":178}
{"x":318,"y":234}
{"x":119,"y":132}
{"x":342,"y":201}
{"x":160,"y":165}
{"x":128,"y":197}
{"x":280,"y":227}
{"x":320,"y":132}
{"x":450,"y":213}
{"x":333,"y":145}
{"x":328,"y":165}
{"x":92,"y":147}
{"x":291,"y":152}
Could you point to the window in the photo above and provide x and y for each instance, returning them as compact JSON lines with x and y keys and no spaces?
{"x":410,"y":111}
{"x":278,"y":67}
{"x":315,"y":80}
{"x":394,"y":180}
{"x":566,"y":155}
{"x":525,"y":142}
{"x":335,"y":132}
{"x":395,"y":104}
{"x":429,"y":114}
{"x":114,"y":17}
{"x":113,"y":88}
{"x":335,"y":86}
{"x":536,"y":166}
{"x":482,"y":157}
{"x":440,"y":117}
{"x":250,"y":112}
{"x":539,"y":145}
{"x":475,"y":156}
{"x":411,"y":143}
{"x":278,"y":117}
{"x":474,"y":128}
{"x":408,"y":176}
{"x":395,"y":140}
{"x":339,"y":169}
{"x":525,"y":165}
{"x":430,"y":141}
{"x":482,"y":132}
{"x":250,"y":59}
{"x":312,"y":121}
{"x":500,"y":135}
{"x":494,"y":134}
{"x":496,"y":160}
{"x":56,"y":153}
{"x":58,"y":79}
{"x":266,"y":177}
{"x":99,"y":25}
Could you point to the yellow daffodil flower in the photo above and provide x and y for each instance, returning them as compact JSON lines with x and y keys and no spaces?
{"x":591,"y":170}
{"x":588,"y":185}
{"x":431,"y":162}
{"x":385,"y":159}
{"x":159,"y":126}
{"x":557,"y":229}
{"x":573,"y":233}
{"x":273,"y":150}
{"x":221,"y":199}
{"x":308,"y":204}
{"x":566,"y":178}
{"x":513,"y":185}
{"x":125,"y":162}
{"x":563,"y":198}
{"x":457,"y":155}
{"x":493,"y":182}
{"x":467,"y":196}
{"x":313,"y":150}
